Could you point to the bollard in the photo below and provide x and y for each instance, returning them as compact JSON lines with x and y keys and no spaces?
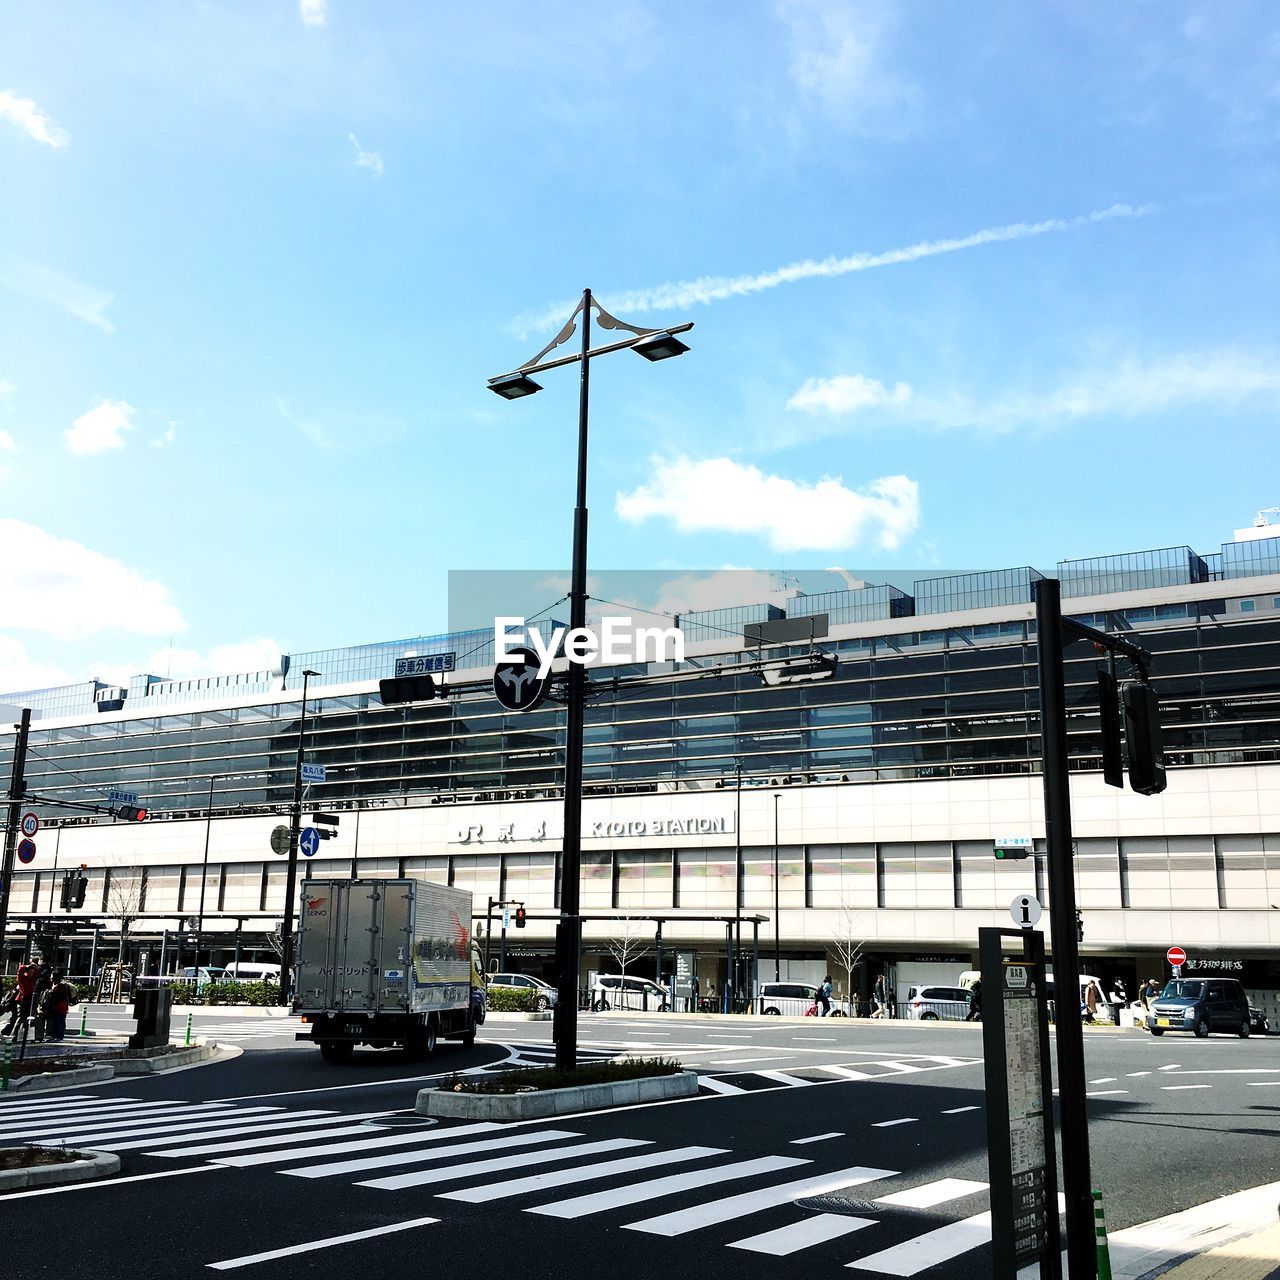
{"x":4,"y":1072}
{"x":84,"y":1014}
{"x":188,"y":1040}
{"x":1100,"y":1233}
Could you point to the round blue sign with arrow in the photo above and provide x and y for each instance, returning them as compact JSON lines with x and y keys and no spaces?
{"x":309,"y":842}
{"x":26,"y":850}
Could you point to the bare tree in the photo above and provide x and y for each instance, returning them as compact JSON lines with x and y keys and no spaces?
{"x":627,"y":946}
{"x":124,"y":901}
{"x":848,"y":945}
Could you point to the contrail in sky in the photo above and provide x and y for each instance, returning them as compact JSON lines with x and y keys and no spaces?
{"x":690,"y":293}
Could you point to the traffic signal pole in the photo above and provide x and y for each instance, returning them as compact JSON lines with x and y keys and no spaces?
{"x":1072,"y":1111}
{"x":17,"y":790}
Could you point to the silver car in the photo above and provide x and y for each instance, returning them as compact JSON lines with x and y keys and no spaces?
{"x":930,"y":1003}
{"x":546,"y":993}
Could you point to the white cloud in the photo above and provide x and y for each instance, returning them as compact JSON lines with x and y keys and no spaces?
{"x":6,"y":389}
{"x":257,"y":654}
{"x":7,"y":441}
{"x":724,"y":589}
{"x":847,"y":394}
{"x":61,"y":588}
{"x":28,"y":117}
{"x":166,"y":438}
{"x":701,"y":292}
{"x":838,"y":61}
{"x":721,"y":495}
{"x":314,"y":13}
{"x":367,"y":159}
{"x":81,"y":300}
{"x":101,"y":428}
{"x":1223,"y":380}
{"x":19,"y":671}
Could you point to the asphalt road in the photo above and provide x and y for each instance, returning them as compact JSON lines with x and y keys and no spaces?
{"x":878,"y":1130}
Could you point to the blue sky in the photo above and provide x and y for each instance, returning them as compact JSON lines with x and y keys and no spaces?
{"x":972,"y":287}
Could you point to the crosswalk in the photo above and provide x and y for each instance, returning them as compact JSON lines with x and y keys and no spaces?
{"x":766,"y":1205}
{"x":748,"y":1081}
{"x":541,"y":1055}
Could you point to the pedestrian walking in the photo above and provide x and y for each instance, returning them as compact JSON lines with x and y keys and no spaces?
{"x":1089,"y":1005}
{"x":36,"y":1004}
{"x":975,"y":1002}
{"x":824,"y":998}
{"x":57,"y":1003}
{"x":24,"y":989}
{"x":1150,"y":990}
{"x":891,"y":1002}
{"x":9,"y":1005}
{"x":694,"y":992}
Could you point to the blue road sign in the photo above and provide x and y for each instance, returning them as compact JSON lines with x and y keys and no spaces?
{"x":428,"y":664}
{"x":309,"y":842}
{"x":26,"y":850}
{"x":313,"y":773}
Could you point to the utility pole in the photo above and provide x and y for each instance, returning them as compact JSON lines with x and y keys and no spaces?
{"x":17,"y":790}
{"x":295,"y":826}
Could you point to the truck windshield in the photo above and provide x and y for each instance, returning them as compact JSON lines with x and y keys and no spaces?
{"x":1182,"y":988}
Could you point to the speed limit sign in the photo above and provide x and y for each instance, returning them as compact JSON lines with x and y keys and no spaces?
{"x":30,"y":824}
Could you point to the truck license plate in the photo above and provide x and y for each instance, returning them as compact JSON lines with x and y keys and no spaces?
{"x":353,"y":1028}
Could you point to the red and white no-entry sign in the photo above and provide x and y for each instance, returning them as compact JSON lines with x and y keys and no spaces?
{"x":1176,"y":956}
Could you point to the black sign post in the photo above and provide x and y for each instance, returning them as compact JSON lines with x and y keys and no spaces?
{"x":1021,"y":1163}
{"x":516,"y":683}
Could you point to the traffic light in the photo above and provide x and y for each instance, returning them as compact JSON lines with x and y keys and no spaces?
{"x":1109,"y":723}
{"x":520,"y":917}
{"x":129,"y":813}
{"x":326,"y":824}
{"x":407,"y":689}
{"x":1143,"y":739}
{"x":74,"y":886}
{"x":1012,"y":848}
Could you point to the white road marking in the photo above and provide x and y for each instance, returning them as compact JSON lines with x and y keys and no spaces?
{"x":1261,"y":1084}
{"x":713,"y":1212}
{"x":42,"y":1105}
{"x":582,"y":1173}
{"x":845,"y":1073}
{"x":955,"y":1111}
{"x":1104,"y":1093}
{"x":120,"y":1119}
{"x":311,"y":1246}
{"x":363,"y":1165}
{"x":915,"y":1255}
{"x":476,"y":1167}
{"x":719,"y":1086}
{"x":1104,"y":1080}
{"x":782,"y":1078}
{"x":762,"y":1057}
{"x":110,"y":1182}
{"x":930,"y":1194}
{"x":379,"y":1141}
{"x":888,"y":1124}
{"x":803,"y":1234}
{"x":1173,"y":1088}
{"x":271,"y":1140}
{"x":156,"y":1132}
{"x":656,"y":1188}
{"x":1139,"y":1073}
{"x":1233,"y":1071}
{"x":814,"y":1039}
{"x":817,"y":1137}
{"x":1173,"y":1066}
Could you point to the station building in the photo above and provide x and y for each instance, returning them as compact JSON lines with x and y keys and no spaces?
{"x":846,"y":823}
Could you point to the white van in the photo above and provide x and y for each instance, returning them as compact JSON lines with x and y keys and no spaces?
{"x":252,"y":971}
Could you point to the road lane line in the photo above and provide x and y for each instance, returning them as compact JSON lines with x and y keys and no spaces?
{"x":341,"y":1148}
{"x":930,"y":1194}
{"x":476,"y":1167}
{"x":1173,"y":1066}
{"x":714,"y":1212}
{"x":200,"y":1135}
{"x":105,"y":1117}
{"x":346,"y":1130}
{"x":955,"y":1111}
{"x":189,"y":1125}
{"x":311,"y":1246}
{"x":1103,"y":1093}
{"x":915,"y":1255}
{"x":719,"y":1086}
{"x":783,"y":1078}
{"x":32,"y":1105}
{"x":1173,"y":1088}
{"x":1133,"y":1074}
{"x":1104,"y":1080}
{"x":802,"y":1235}
{"x":1262,"y":1084}
{"x":817,"y":1137}
{"x":656,"y":1188}
{"x":888,"y":1124}
{"x":845,"y":1073}
{"x":95,"y":1183}
{"x":532,"y":1138}
{"x":759,"y":1057}
{"x":581,"y":1173}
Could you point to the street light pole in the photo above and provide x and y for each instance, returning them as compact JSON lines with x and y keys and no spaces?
{"x":295,"y":825}
{"x":653,"y":344}
{"x":204,"y":871}
{"x":777,"y":956}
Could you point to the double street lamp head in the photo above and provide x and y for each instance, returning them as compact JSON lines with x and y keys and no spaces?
{"x":514,"y":386}
{"x":659,"y":346}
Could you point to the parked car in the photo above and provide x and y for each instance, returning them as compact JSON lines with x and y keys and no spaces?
{"x":545,"y":997}
{"x":206,"y":975}
{"x":1202,"y":1005}
{"x":794,"y":1000}
{"x":931,"y":1003}
{"x":252,"y":971}
{"x":1258,"y":1022}
{"x":612,"y":991}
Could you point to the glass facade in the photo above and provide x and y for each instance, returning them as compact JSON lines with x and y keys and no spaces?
{"x":1250,"y":559}
{"x":1135,"y":571}
{"x":976,"y":590}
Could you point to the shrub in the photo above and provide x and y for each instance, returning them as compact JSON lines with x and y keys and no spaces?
{"x":552,"y":1078}
{"x":513,"y":1000}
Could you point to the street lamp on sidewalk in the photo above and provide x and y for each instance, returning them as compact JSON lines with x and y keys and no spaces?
{"x":777,"y":958}
{"x":653,"y":344}
{"x":295,"y":824}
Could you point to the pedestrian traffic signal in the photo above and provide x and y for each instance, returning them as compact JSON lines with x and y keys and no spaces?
{"x":74,"y":887}
{"x":1143,"y":739}
{"x":1109,"y":726}
{"x":1079,"y":927}
{"x":519,"y":917}
{"x":129,"y":813}
{"x":407,"y":689}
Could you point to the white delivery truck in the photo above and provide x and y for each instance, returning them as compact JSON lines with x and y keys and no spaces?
{"x":386,"y":962}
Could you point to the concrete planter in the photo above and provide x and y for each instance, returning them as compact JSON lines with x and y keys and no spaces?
{"x":555,"y":1102}
{"x":92,"y":1164}
{"x":145,"y":1062}
{"x":58,"y":1080}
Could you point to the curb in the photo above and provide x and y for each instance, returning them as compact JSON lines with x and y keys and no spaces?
{"x":59,"y":1079}
{"x":490,"y":1016}
{"x":174,"y":1060}
{"x":184,"y":1057}
{"x":96,"y":1164}
{"x":555,"y":1102}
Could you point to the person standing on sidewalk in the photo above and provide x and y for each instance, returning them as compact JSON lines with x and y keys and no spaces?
{"x":28,"y":975}
{"x":56,"y":1006}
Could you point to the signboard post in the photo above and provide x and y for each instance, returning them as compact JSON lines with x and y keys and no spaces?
{"x":313,"y":773}
{"x":1019,"y":1095}
{"x":30,"y":825}
{"x":1176,"y":957}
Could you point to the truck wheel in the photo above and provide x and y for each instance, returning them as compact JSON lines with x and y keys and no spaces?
{"x":468,"y":1039}
{"x":420,"y":1042}
{"x":336,"y":1050}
